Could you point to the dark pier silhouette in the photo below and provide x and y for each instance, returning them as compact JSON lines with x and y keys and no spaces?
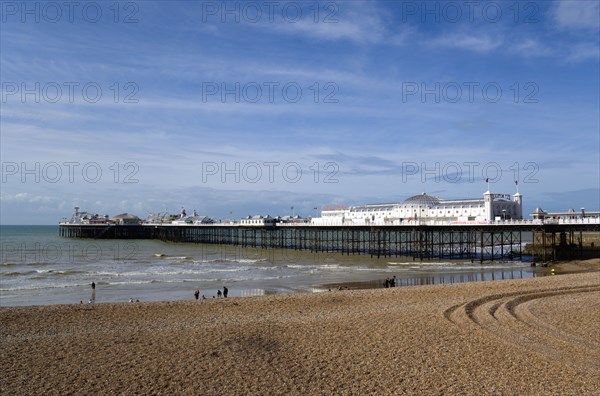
{"x":421,"y":242}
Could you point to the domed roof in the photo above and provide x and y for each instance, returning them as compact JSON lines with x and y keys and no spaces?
{"x":126,"y":216}
{"x":422,"y":199}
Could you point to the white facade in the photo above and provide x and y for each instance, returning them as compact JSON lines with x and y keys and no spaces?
{"x":258,"y":221}
{"x":425,"y":208}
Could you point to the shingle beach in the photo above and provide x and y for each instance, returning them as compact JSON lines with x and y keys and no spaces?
{"x":536,"y":336}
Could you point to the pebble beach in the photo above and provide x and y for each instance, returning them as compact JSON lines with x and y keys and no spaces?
{"x":515,"y":337}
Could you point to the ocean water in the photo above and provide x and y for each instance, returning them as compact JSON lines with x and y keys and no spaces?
{"x":38,"y":267}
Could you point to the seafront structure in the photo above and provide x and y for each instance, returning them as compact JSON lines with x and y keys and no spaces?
{"x":421,"y":227}
{"x":425,"y":208}
{"x":419,"y":209}
{"x":570,"y":214}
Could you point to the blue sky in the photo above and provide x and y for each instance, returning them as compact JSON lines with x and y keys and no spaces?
{"x":257,"y":107}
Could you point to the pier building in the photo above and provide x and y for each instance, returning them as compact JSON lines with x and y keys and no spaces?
{"x":426,"y":208}
{"x":258,"y":220}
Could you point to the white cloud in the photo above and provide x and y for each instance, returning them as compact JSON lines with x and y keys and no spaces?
{"x":403,"y":36}
{"x":27,"y":198}
{"x":577,"y":14}
{"x":357,"y":22}
{"x":583,"y":51}
{"x":481,"y":43}
{"x":529,"y":48}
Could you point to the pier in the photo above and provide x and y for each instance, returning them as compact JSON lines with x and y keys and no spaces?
{"x":421,"y":242}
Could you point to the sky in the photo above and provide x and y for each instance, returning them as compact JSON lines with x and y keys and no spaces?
{"x":238,"y":108}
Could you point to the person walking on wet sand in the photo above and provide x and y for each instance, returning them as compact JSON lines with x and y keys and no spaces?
{"x":225,"y":291}
{"x":93,"y":286}
{"x":197,"y":293}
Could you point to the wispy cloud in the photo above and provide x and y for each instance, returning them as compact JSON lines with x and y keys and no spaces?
{"x":27,"y":197}
{"x":477,"y":43}
{"x":532,"y":48}
{"x":356,"y":22}
{"x":583,"y":52}
{"x":577,"y":14}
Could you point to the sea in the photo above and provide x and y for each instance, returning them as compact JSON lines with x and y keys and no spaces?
{"x":38,"y":267}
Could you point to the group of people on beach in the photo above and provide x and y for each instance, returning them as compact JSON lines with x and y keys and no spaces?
{"x":220,"y":293}
{"x":390,"y":282}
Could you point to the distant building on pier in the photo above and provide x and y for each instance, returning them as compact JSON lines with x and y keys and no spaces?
{"x":571,"y":214}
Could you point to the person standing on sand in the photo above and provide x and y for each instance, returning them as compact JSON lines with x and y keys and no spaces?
{"x":197,"y":293}
{"x":93,"y":299}
{"x":219,"y":293}
{"x":225,"y":291}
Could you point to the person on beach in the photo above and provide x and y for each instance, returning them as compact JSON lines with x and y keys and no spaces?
{"x":386,"y":283}
{"x":393,"y":281}
{"x":219,"y":293}
{"x":197,"y":293}
{"x":93,"y":286}
{"x":225,"y":291}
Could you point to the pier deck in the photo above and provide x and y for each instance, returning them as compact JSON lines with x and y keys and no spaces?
{"x":472,"y":242}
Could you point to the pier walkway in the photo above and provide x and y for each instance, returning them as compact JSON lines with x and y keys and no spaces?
{"x":549,"y":240}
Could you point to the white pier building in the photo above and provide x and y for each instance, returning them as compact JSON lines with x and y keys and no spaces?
{"x":424,"y":208}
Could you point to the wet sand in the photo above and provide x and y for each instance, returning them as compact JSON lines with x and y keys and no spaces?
{"x":516,"y":337}
{"x":573,"y":266}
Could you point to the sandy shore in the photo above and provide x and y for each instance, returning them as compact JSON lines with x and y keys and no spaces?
{"x":519,"y":337}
